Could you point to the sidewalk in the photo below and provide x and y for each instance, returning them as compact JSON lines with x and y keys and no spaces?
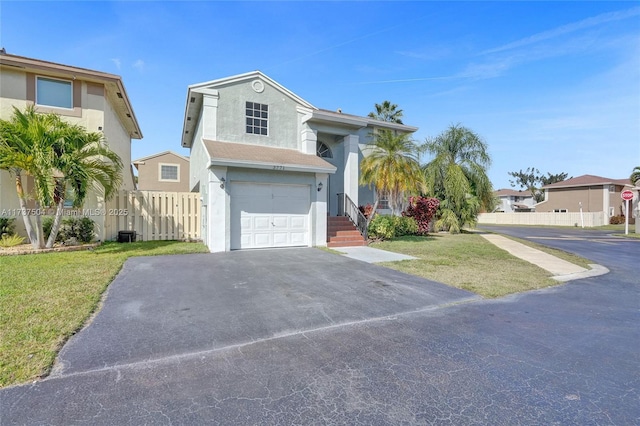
{"x":561,"y":269}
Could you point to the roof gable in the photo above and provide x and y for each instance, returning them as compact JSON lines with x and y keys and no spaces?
{"x":511,"y":193}
{"x":113,"y":84}
{"x":160,"y":154}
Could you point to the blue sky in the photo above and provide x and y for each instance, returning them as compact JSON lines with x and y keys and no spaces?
{"x":554,"y":85}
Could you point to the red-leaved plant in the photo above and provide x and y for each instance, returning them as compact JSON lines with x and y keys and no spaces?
{"x":423,"y":211}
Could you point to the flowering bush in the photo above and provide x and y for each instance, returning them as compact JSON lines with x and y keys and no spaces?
{"x":423,"y":211}
{"x":367,"y":210}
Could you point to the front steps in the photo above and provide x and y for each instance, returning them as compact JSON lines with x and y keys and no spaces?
{"x":342,"y":233}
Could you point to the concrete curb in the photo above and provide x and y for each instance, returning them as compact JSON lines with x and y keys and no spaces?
{"x":596,"y":270}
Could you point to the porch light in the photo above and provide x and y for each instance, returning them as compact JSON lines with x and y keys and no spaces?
{"x":320,"y":186}
{"x":222,"y":181}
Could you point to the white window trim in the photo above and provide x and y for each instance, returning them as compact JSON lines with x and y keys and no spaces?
{"x":177,"y":166}
{"x":46,"y":77}
{"x":260,"y":118}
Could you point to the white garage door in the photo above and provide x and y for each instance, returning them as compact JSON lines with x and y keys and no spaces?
{"x":269,"y":215}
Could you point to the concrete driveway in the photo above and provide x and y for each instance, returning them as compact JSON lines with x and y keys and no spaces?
{"x":307,"y":337}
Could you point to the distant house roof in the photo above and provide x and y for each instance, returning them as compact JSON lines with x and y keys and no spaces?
{"x":149,"y":157}
{"x":587,"y":180}
{"x":521,"y":206}
{"x":112,"y":83}
{"x":264,"y":157}
{"x":510,"y":193}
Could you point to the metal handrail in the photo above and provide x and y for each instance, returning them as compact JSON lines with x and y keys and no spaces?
{"x":346,"y":207}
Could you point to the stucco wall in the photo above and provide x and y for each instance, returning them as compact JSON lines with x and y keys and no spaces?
{"x":569,"y":199}
{"x":283,"y":116}
{"x":149,"y":174}
{"x":199,"y":160}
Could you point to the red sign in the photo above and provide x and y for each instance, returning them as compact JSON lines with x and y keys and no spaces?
{"x":627,"y":195}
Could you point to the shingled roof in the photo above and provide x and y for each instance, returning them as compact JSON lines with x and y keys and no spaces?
{"x":265,"y":157}
{"x":587,"y":180}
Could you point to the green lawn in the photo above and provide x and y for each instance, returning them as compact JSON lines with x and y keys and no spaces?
{"x":45,"y":298}
{"x":470,"y":262}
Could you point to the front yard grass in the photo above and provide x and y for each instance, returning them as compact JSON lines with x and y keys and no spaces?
{"x":470,"y":262}
{"x":46,"y":298}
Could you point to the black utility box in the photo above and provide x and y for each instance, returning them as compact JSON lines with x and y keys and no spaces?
{"x":126,"y":236}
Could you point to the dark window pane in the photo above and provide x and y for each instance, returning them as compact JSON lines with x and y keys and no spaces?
{"x":249,"y":113}
{"x":263,"y":123}
{"x":249,"y":129}
{"x":263,"y":131}
{"x":265,"y":107}
{"x":265,"y":115}
{"x":249,"y":105}
{"x":249,"y":121}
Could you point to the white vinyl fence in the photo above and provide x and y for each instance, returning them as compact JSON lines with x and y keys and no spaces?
{"x":154,"y":215}
{"x":557,"y":219}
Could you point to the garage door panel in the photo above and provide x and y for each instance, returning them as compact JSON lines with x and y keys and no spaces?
{"x":298,"y":222}
{"x":280,"y":239}
{"x":298,"y":238}
{"x":262,"y":239}
{"x":269,"y":215}
{"x":281,"y":222}
{"x":261,"y":223}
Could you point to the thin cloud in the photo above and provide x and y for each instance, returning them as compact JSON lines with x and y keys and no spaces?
{"x":117,"y":62}
{"x":567,"y":29}
{"x":139,"y":65}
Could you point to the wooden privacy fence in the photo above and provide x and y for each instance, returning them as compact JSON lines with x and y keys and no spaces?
{"x":547,"y":218}
{"x":154,"y":215}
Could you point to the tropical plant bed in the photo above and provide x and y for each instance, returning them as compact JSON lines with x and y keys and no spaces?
{"x":28,"y":249}
{"x":469,"y":262}
{"x":46,"y":298}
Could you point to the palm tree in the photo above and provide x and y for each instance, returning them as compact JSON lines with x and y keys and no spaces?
{"x":59,"y":156}
{"x":25,"y":142}
{"x":391,"y":165}
{"x":635,"y":176}
{"x":457,"y":175}
{"x":82,"y":161}
{"x":387,"y":112}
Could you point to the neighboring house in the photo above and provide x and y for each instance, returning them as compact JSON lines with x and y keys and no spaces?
{"x":166,"y":171}
{"x":271,"y":167}
{"x":93,"y":99}
{"x":591,"y":193}
{"x":514,"y":201}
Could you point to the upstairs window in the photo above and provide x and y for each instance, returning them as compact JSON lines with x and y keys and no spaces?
{"x":54,"y":93}
{"x":169,"y":172}
{"x":322,"y":150}
{"x":257,"y":118}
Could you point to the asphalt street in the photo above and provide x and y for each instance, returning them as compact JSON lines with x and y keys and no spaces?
{"x":303,"y":336}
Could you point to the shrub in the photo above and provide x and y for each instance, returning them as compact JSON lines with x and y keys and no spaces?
{"x":423,"y":211}
{"x":388,"y":227}
{"x":616,"y":220}
{"x":78,"y":228}
{"x":11,"y":240}
{"x":6,"y":225}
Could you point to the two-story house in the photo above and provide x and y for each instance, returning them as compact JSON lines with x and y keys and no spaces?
{"x":514,"y":201}
{"x":587,"y":192}
{"x":270,"y":166}
{"x":93,"y":99}
{"x":164,"y":171}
